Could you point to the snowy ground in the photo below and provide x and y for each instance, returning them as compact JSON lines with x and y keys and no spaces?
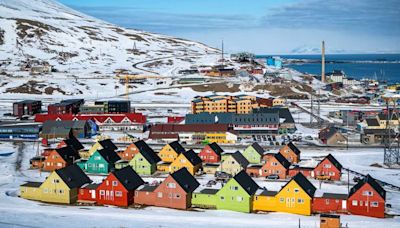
{"x":16,"y":212}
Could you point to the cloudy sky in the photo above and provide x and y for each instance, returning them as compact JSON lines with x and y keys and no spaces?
{"x":262,"y":26}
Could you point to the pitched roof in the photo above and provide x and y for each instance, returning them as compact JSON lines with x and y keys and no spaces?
{"x":109,"y":155}
{"x":74,"y":142}
{"x":258,"y":148}
{"x":240,"y":159}
{"x":147,"y":152}
{"x":185,"y":180}
{"x":177,"y":147}
{"x":247,"y":183}
{"x":73,"y":176}
{"x":193,"y":158}
{"x":216,"y":148}
{"x":304,"y":183}
{"x":107,"y":143}
{"x":293,"y":148}
{"x":372,"y":122}
{"x":333,"y":160}
{"x":128,"y":178}
{"x":268,"y":193}
{"x":281,"y":159}
{"x":209,"y":191}
{"x":68,"y":153}
{"x":334,"y":196}
{"x":371,"y":181}
{"x":32,"y":184}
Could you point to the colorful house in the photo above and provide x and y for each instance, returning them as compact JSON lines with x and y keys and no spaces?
{"x":367,"y":198}
{"x":331,"y":136}
{"x":254,"y":153}
{"x":174,"y":192}
{"x":119,"y":187}
{"x":61,"y":186}
{"x":237,"y":194}
{"x":205,"y":198}
{"x":291,"y":153}
{"x":296,"y":196}
{"x":133,"y":149}
{"x":171,"y":151}
{"x":102,"y":161}
{"x":330,"y":203}
{"x":211,"y":153}
{"x":265,"y":201}
{"x":145,"y":161}
{"x":189,"y":160}
{"x":60,"y":158}
{"x":328,"y":167}
{"x":233,"y":163}
{"x":276,"y":165}
{"x":103,"y":144}
{"x":87,"y":193}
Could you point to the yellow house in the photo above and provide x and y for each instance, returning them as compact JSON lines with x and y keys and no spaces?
{"x":295,"y":197}
{"x":61,"y":186}
{"x":233,"y":163}
{"x":221,"y":138}
{"x":190,"y":160}
{"x":171,"y":151}
{"x":99,"y":145}
{"x":265,"y":201}
{"x":163,"y":166}
{"x":278,"y":101}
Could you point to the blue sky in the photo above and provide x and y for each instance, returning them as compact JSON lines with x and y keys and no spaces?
{"x":261,"y":26}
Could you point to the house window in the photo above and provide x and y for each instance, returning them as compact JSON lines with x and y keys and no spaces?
{"x":327,"y":201}
{"x":274,"y":163}
{"x":61,"y":191}
{"x":101,"y":165}
{"x":102,"y":192}
{"x":300,"y":201}
{"x":296,"y":190}
{"x":114,"y":183}
{"x":235,"y":188}
{"x":55,"y":181}
{"x":97,"y":157}
{"x":45,"y":190}
{"x":183,"y":161}
{"x":331,"y":174}
{"x":361,"y":203}
{"x":159,"y":194}
{"x":171,"y":185}
{"x":177,"y":196}
{"x":136,"y":193}
{"x":222,"y":198}
{"x":354,"y":203}
{"x":374,"y":204}
{"x":327,"y":166}
{"x":282,"y":200}
{"x":367,"y":193}
{"x":239,"y":198}
{"x":118,"y":194}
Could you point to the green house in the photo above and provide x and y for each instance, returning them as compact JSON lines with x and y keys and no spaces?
{"x":145,"y":161}
{"x":254,"y":153}
{"x":101,"y":161}
{"x":237,"y":194}
{"x":205,"y":198}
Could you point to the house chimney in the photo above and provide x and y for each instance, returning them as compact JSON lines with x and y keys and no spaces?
{"x":323,"y":63}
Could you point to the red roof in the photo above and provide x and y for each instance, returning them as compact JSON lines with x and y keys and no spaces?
{"x":175,"y":119}
{"x":171,"y":128}
{"x":98,"y":118}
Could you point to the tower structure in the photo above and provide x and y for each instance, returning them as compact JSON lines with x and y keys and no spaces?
{"x":391,"y":139}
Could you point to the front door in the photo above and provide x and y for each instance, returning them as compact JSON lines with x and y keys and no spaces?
{"x":344,"y":204}
{"x":93,"y":194}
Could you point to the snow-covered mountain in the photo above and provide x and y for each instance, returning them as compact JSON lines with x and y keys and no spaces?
{"x":71,"y":41}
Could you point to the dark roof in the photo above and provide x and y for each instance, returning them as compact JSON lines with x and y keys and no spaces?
{"x":372,"y":122}
{"x":383,"y":116}
{"x":192,"y":157}
{"x":335,"y":162}
{"x":329,"y":216}
{"x":32,"y":184}
{"x":293,"y":148}
{"x":377,"y":131}
{"x":147,"y":188}
{"x":74,"y":142}
{"x":328,"y":132}
{"x":371,"y":181}
{"x":109,"y":155}
{"x":90,"y":186}
{"x":216,"y":148}
{"x":107,"y":143}
{"x":63,"y":126}
{"x":268,"y":193}
{"x":73,"y":176}
{"x":210,"y":191}
{"x":177,"y":147}
{"x":211,"y":164}
{"x":147,"y":152}
{"x":281,"y":159}
{"x":247,"y":183}
{"x":284,"y":113}
{"x":304,"y":183}
{"x":258,"y":148}
{"x":334,"y":196}
{"x":240,"y":159}
{"x":68,"y":153}
{"x":38,"y":158}
{"x":128,"y":178}
{"x":185,"y":180}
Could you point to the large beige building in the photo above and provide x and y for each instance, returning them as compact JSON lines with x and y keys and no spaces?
{"x":241,"y":104}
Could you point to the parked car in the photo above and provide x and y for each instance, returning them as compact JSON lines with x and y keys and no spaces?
{"x":210,"y":183}
{"x":219,"y":175}
{"x":272,"y":177}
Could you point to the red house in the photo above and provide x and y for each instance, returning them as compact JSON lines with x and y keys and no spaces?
{"x":306,"y":171}
{"x":367,"y":198}
{"x":174,"y":192}
{"x":331,"y":203}
{"x":329,"y":167}
{"x":119,"y":187}
{"x":87,"y":193}
{"x":211,"y":153}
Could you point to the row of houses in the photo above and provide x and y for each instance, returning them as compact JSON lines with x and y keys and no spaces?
{"x":181,"y":190}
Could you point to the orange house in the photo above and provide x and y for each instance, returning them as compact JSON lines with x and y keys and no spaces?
{"x":60,"y":158}
{"x":291,"y":153}
{"x":171,"y":151}
{"x":132,"y":150}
